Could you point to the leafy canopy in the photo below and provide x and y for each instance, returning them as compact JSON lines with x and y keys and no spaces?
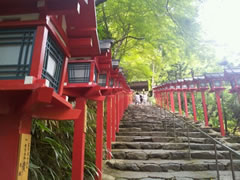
{"x":151,"y":36}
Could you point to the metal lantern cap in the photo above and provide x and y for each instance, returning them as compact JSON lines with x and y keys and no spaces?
{"x":180,"y":80}
{"x":198,"y":78}
{"x":105,"y":44}
{"x":188,"y":79}
{"x":214,"y":75}
{"x":232,"y":71}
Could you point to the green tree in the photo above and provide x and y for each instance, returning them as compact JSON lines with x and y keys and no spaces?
{"x":151,"y":37}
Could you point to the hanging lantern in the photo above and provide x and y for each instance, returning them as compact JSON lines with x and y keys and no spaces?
{"x":215,"y":80}
{"x":201,"y":82}
{"x":102,"y":80}
{"x":190,"y":83}
{"x":111,"y":82}
{"x":179,"y":83}
{"x":115,"y":63}
{"x":16,"y":48}
{"x":82,"y":71}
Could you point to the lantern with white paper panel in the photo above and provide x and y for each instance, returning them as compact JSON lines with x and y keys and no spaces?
{"x":115,"y":63}
{"x":16,"y":48}
{"x":82,"y":72}
{"x":102,"y":80}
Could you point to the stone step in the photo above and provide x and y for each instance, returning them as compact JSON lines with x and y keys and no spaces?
{"x":160,"y":165}
{"x":140,"y":125}
{"x":113,"y":174}
{"x":166,"y":154}
{"x":165,"y":139}
{"x":137,"y":129}
{"x":169,"y":134}
{"x":143,"y":121}
{"x":168,"y":146}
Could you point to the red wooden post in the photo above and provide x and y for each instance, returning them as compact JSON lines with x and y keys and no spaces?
{"x":99,"y":138}
{"x":117,"y":112}
{"x":185,"y":103}
{"x":125,"y":101}
{"x":220,"y":116}
{"x":179,"y":103}
{"x":12,"y":125}
{"x":204,"y":108}
{"x":120,"y":106}
{"x":216,"y":84}
{"x":194,"y":107}
{"x":167,"y":100}
{"x":121,"y":103}
{"x":163,"y":99}
{"x":79,"y":141}
{"x":114,"y":118}
{"x":109,"y":127}
{"x":156,"y":97}
{"x":172,"y":101}
{"x":159,"y":98}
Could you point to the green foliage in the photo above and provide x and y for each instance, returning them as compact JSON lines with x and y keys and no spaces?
{"x":153,"y":36}
{"x":51,"y":148}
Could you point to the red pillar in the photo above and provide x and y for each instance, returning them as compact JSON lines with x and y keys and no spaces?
{"x":156,"y":97}
{"x":185,"y":103}
{"x":172,"y":101}
{"x":159,"y":99}
{"x":99,"y":138}
{"x":179,"y":103}
{"x":122,"y":106}
{"x":163,"y":100}
{"x":113,"y":118}
{"x":204,"y":108}
{"x":220,"y":116}
{"x":167,"y":101}
{"x":11,"y":130}
{"x":109,"y":127}
{"x":194,"y":107}
{"x":79,"y":141}
{"x":117,"y":112}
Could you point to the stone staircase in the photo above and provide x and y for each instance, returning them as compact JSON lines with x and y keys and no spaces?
{"x":151,"y":145}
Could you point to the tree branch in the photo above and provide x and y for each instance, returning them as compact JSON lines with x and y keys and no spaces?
{"x":106,"y":23}
{"x":172,"y":18}
{"x":127,"y":37}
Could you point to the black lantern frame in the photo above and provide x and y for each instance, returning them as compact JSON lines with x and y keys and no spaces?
{"x":16,"y":48}
{"x":53,"y":64}
{"x":102,"y":81}
{"x":82,"y":72}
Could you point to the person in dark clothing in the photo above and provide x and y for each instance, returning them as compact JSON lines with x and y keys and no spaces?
{"x":141,"y":98}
